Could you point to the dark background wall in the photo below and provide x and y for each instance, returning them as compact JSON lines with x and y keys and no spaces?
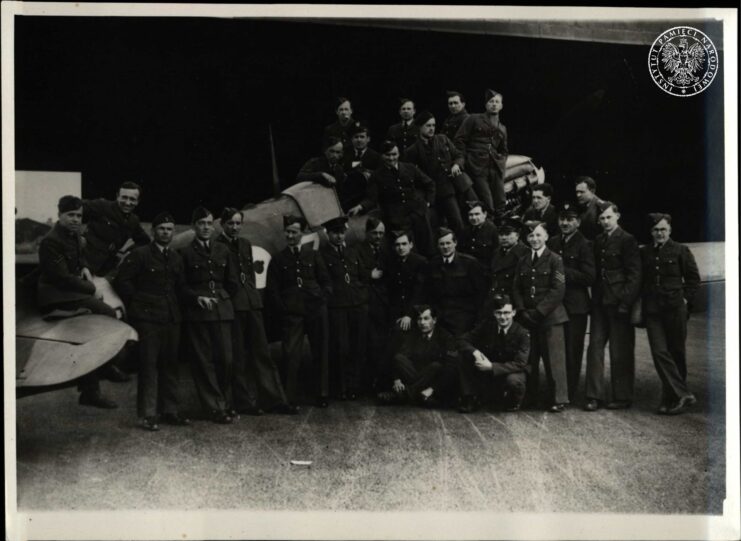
{"x":183,"y":105}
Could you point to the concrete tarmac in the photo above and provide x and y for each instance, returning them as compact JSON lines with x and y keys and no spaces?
{"x":366,"y":457}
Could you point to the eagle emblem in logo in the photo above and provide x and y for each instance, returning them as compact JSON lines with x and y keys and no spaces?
{"x":683,"y":61}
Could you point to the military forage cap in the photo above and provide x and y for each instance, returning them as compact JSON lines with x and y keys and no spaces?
{"x":199,"y":213}
{"x":68,"y":203}
{"x":473,"y":204}
{"x":508,"y":225}
{"x":602,"y":206}
{"x":289,"y":220}
{"x":443,"y":232}
{"x":452,"y":93}
{"x":568,"y":210}
{"x":336,"y":224}
{"x":359,"y":128}
{"x":656,"y":217}
{"x":532,"y":225}
{"x":400,"y":233}
{"x":164,"y":217}
{"x":489,"y":94}
{"x":423,"y":117}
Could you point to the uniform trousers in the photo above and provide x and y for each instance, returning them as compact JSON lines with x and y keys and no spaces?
{"x":158,"y":371}
{"x":377,"y":342}
{"x":489,"y":186}
{"x":256,"y":382}
{"x":609,"y":326}
{"x":211,"y":349}
{"x":547,"y":342}
{"x":347,"y":347}
{"x":447,"y":207}
{"x":574,"y":331}
{"x":667,"y":333}
{"x":494,"y":384}
{"x":314,"y":325}
{"x":417,"y":377}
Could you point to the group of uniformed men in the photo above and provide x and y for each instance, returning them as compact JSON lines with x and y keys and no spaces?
{"x":456,"y":317}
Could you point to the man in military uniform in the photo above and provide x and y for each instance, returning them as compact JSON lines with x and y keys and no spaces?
{"x":404,"y":194}
{"x":541,"y":210}
{"x":616,"y":288}
{"x":110,"y":225}
{"x":425,"y":365}
{"x":373,"y":254}
{"x":342,"y":129}
{"x":458,"y":113}
{"x":438,"y":158}
{"x":504,"y":260}
{"x":327,"y":168}
{"x":538,"y":292}
{"x":670,"y":281}
{"x":480,"y":237}
{"x":298,"y":286}
{"x":455,"y":285}
{"x":347,"y":309}
{"x":358,"y":163}
{"x":149,"y":281}
{"x":578,"y":260}
{"x":65,"y":283}
{"x":208,"y":315}
{"x":588,"y":206}
{"x":483,"y":140}
{"x":256,"y":385}
{"x":405,"y":133}
{"x":494,"y":359}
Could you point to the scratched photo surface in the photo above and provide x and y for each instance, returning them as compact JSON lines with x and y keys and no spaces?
{"x":221,"y":112}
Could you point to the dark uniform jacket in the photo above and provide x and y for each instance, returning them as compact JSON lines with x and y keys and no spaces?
{"x":589,"y":217}
{"x":108,"y":229}
{"x":61,"y":261}
{"x":312,"y":171}
{"x":342,"y":132}
{"x":578,"y":262}
{"x":503,"y":265}
{"x":455,"y":288}
{"x":298,"y":285}
{"x":511,"y":353}
{"x":208,"y":273}
{"x":452,"y":124}
{"x":395,"y":191}
{"x":441,"y":348}
{"x":404,"y":135}
{"x":404,"y":283}
{"x":670,"y":276}
{"x":348,"y":275}
{"x":541,"y":287}
{"x":549,"y":216}
{"x":483,"y":145}
{"x":245,"y":296}
{"x":151,"y":285}
{"x":618,"y":269}
{"x":435,"y":159}
{"x":356,"y":185}
{"x":373,"y":258}
{"x":480,"y":242}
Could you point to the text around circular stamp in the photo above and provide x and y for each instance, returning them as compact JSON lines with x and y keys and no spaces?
{"x":683,"y":61}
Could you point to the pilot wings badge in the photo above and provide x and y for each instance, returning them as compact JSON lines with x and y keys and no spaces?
{"x":683,"y":61}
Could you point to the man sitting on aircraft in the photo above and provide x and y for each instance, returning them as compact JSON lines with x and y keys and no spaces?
{"x":325,"y":169}
{"x":494,"y":358}
{"x":208,"y":315}
{"x":425,"y":366}
{"x":110,"y":225}
{"x":359,"y":162}
{"x":150,"y":280}
{"x":458,"y":113}
{"x":342,"y":129}
{"x":66,"y":284}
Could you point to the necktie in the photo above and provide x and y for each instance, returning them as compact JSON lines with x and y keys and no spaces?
{"x":535,"y":257}
{"x":166,"y":253}
{"x":358,"y":155}
{"x":501,"y":334}
{"x":295,"y":250}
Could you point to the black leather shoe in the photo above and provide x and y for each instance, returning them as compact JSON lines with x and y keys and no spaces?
{"x":321,"y":402}
{"x":115,"y":374}
{"x":557,"y":408}
{"x":285,"y":409}
{"x":512,"y":408}
{"x":97,"y":400}
{"x":618,"y":405}
{"x":222,"y":418}
{"x":175,"y":419}
{"x":591,"y":405}
{"x":150,"y":423}
{"x":682,"y":405}
{"x":468,"y":405}
{"x":251,"y":410}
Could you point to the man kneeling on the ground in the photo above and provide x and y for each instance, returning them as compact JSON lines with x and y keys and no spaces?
{"x":424,"y":367}
{"x":494,"y":358}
